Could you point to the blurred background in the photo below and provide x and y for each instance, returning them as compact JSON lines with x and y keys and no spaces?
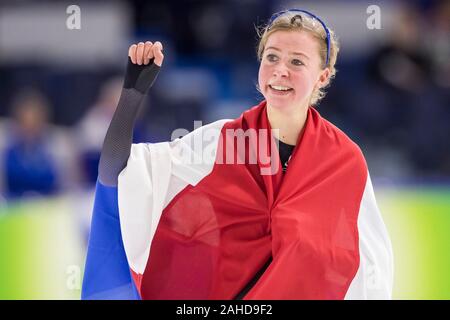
{"x":59,"y":88}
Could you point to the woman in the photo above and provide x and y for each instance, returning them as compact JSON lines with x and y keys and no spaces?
{"x":217,"y":215}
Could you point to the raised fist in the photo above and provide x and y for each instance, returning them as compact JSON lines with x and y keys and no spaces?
{"x":142,"y":53}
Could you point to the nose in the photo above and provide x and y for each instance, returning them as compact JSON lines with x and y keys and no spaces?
{"x":281,"y":70}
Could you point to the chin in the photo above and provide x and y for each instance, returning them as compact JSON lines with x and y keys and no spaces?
{"x":279,"y":103}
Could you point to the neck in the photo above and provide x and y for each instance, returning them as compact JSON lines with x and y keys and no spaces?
{"x":289,"y":122}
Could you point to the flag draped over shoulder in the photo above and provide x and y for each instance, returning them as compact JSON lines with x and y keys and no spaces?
{"x":201,"y":215}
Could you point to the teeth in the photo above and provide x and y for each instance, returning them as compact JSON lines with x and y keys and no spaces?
{"x":280,"y":88}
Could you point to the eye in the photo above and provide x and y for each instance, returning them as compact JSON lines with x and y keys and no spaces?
{"x":297,"y":62}
{"x":271,"y":57}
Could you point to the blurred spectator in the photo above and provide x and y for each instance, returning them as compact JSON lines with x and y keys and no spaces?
{"x":402,"y":63}
{"x":402,"y":111}
{"x":438,"y":43}
{"x":29,"y":167}
{"x":92,"y":128}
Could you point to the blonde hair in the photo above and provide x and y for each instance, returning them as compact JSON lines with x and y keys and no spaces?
{"x":296,"y":21}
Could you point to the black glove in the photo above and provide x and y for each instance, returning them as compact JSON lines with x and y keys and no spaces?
{"x":140,"y":77}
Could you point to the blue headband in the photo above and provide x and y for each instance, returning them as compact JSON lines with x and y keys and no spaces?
{"x":276,"y":15}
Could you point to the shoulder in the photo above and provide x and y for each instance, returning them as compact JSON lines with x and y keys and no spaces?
{"x":207,"y":130}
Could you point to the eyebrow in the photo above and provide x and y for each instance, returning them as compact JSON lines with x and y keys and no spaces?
{"x":295,"y":53}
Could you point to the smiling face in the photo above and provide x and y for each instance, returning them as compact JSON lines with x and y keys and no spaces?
{"x":290,"y":69}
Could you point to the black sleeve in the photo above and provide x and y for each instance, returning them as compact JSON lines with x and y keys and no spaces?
{"x":119,"y":137}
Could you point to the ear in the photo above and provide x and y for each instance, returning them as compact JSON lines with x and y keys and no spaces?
{"x":324,"y":78}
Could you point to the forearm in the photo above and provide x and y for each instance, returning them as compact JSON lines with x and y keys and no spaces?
{"x":117,"y":144}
